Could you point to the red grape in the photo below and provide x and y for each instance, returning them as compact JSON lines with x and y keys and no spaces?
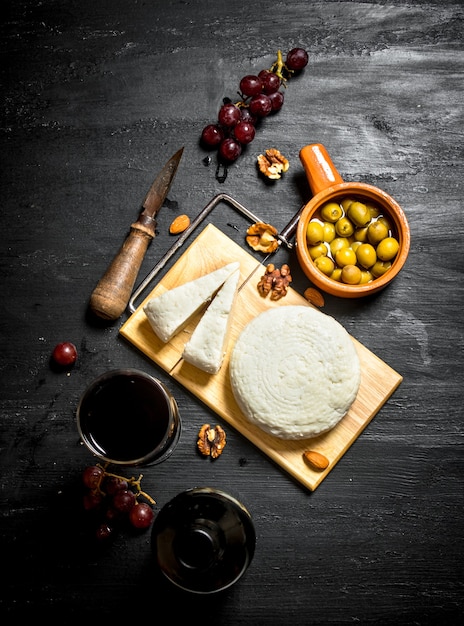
{"x":230,"y":150}
{"x":141,"y":515}
{"x":251,"y":85}
{"x":91,"y":476}
{"x":65,"y":354}
{"x":297,"y":59}
{"x":212,"y":135}
{"x":247,"y":116}
{"x":104,"y":532}
{"x":260,"y":105}
{"x":112,"y":515}
{"x":271,"y":82}
{"x":244,"y":132}
{"x":92,"y":500}
{"x":124,"y":500}
{"x":112,"y":484}
{"x":229,"y":115}
{"x":277,"y":100}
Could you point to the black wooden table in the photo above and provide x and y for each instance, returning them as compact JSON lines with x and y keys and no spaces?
{"x":96,"y":97}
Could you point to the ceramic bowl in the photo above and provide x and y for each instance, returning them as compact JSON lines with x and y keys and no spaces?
{"x":328,"y":186}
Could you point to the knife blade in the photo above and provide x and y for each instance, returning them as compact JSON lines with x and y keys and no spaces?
{"x":111,"y":295}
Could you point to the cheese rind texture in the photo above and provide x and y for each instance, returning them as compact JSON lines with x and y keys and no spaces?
{"x":170,"y":312}
{"x":208,"y":343}
{"x":294,"y":372}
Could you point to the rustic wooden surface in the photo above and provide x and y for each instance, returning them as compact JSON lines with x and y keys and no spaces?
{"x":96,"y":97}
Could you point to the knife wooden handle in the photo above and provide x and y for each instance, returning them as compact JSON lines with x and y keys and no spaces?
{"x":111,"y":295}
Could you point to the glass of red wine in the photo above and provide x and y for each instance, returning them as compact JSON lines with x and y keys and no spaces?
{"x":128,"y":418}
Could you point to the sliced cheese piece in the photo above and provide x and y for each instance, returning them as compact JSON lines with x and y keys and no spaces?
{"x":294,"y":372}
{"x":170,"y":312}
{"x":207,"y":346}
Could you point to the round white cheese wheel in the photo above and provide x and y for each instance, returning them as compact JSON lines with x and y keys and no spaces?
{"x":294,"y":372}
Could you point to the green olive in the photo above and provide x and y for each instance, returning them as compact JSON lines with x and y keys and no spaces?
{"x":337,"y":244}
{"x":315,"y":251}
{"x":376,"y":232}
{"x":337,"y":274}
{"x":314,"y":233}
{"x":324,"y":264}
{"x":366,"y":255}
{"x":345,"y":256}
{"x":379,"y":268}
{"x":360,"y":234}
{"x":373,"y":210}
{"x":346,"y":202}
{"x":344,"y":227}
{"x":387,"y":222}
{"x":388,"y":249}
{"x":359,"y":214}
{"x":351,"y":274}
{"x":331,"y":212}
{"x":366,"y":277}
{"x":329,"y":232}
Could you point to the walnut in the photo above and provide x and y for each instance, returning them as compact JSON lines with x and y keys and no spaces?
{"x":211,"y":441}
{"x":272,"y":163}
{"x":275,"y":282}
{"x":261,"y":237}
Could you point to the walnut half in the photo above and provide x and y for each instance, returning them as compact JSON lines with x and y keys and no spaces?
{"x":272,"y":163}
{"x":211,"y":441}
{"x":262,"y":237}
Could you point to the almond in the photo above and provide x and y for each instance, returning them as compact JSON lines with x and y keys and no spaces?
{"x":314,"y":296}
{"x":316,"y":460}
{"x":181,"y":223}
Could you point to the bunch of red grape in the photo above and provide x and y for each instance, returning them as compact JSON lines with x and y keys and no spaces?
{"x":260,"y":95}
{"x":115,"y":502}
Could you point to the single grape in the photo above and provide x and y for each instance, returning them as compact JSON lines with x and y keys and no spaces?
{"x":113,"y":516}
{"x":230,"y":150}
{"x":112,"y":484}
{"x":141,"y":515}
{"x":251,"y":85}
{"x":229,"y":115}
{"x":64,"y":354}
{"x":91,"y":476}
{"x":271,"y":82}
{"x":244,"y":132}
{"x":297,"y":59}
{"x":277,"y":100}
{"x":246,"y":116}
{"x":260,"y":105}
{"x":92,"y":500}
{"x":104,"y":532}
{"x":124,"y":500}
{"x":212,"y":135}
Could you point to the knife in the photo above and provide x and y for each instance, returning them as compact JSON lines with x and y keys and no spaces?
{"x":111,"y":295}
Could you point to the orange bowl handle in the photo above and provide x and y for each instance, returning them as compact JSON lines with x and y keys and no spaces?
{"x":320,"y":171}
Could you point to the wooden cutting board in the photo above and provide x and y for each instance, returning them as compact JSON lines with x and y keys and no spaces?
{"x":209,"y":251}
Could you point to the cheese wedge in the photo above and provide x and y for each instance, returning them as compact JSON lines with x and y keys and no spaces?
{"x":170,"y":312}
{"x":207,"y":346}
